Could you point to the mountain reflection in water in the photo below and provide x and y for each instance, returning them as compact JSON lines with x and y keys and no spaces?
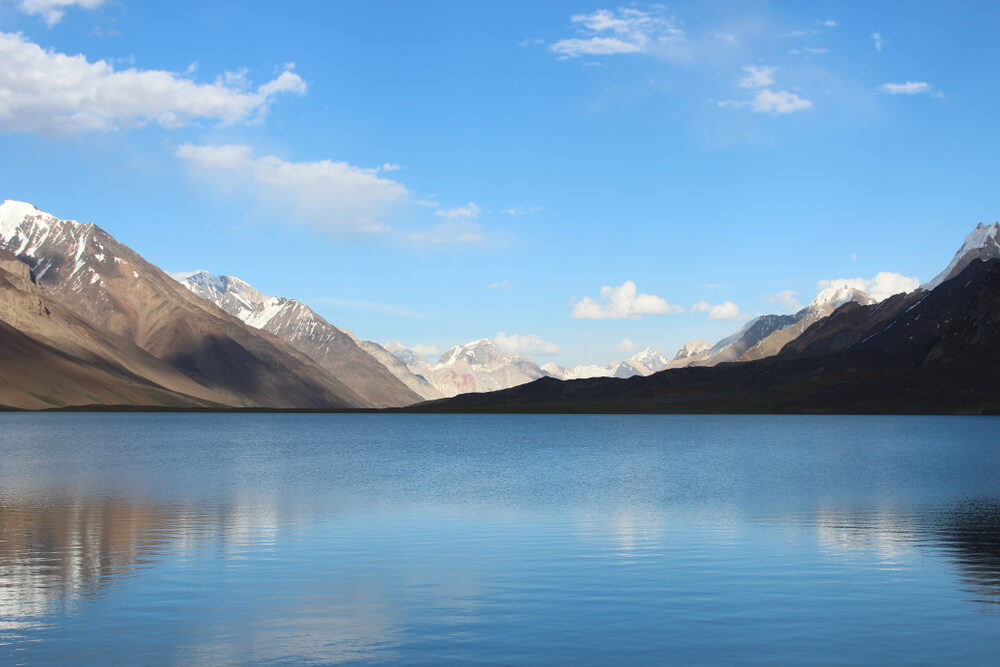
{"x":342,"y":538}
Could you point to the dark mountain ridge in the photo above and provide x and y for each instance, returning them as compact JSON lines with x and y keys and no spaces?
{"x":923,"y":352}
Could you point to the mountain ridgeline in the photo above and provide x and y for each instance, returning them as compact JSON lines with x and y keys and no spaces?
{"x":924,"y":352}
{"x":87,"y":322}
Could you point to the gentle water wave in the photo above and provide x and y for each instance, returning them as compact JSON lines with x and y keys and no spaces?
{"x":426,"y":539}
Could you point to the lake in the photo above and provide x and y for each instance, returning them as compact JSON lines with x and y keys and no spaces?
{"x":597,"y":539}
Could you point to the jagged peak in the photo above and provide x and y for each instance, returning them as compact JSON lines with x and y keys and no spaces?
{"x":13,"y":213}
{"x":983,"y":242}
{"x":692,"y":348}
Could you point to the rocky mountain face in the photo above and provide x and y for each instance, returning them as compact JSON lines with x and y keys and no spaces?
{"x":822,"y":306}
{"x":932,"y":351}
{"x":478,"y":366}
{"x":416,"y":383}
{"x":49,"y":357}
{"x":764,"y":336}
{"x":116,"y":292}
{"x":692,"y":351}
{"x":982,"y":243}
{"x":336,"y":351}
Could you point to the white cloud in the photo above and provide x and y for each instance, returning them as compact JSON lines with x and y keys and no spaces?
{"x":726,"y":37}
{"x":520,"y":211}
{"x":622,"y":302}
{"x":388,"y":166}
{"x":425,"y":350}
{"x":768,"y":101}
{"x":757,"y":77}
{"x":908,"y":88}
{"x":470,"y":211}
{"x":624,"y":30}
{"x":882,"y":286}
{"x":780,"y":102}
{"x":429,"y":203}
{"x":625,"y":345}
{"x":52,"y":92}
{"x":878,"y":41}
{"x":503,"y":284}
{"x":52,"y":10}
{"x":785,"y":299}
{"x":723,"y":311}
{"x":333,"y":196}
{"x":529,"y":344}
{"x":827,"y":23}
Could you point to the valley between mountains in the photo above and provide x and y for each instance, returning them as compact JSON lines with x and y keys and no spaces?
{"x":86,"y":322}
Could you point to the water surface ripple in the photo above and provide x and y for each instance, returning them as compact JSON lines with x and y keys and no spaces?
{"x":215,"y":538}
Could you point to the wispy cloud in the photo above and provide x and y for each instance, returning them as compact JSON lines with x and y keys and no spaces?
{"x":625,"y":345}
{"x":808,"y":51}
{"x":908,"y":88}
{"x":757,"y":76}
{"x":332,"y":196}
{"x":51,"y":92}
{"x":520,"y":211}
{"x":765,"y":100}
{"x":52,"y":10}
{"x":785,"y":299}
{"x":470,"y":211}
{"x":622,"y":302}
{"x":386,"y":308}
{"x":882,"y":286}
{"x":449,"y":232}
{"x":503,"y":284}
{"x":623,"y":30}
{"x":877,"y":40}
{"x":723,"y":311}
{"x":827,"y":23}
{"x":768,"y":101}
{"x":528,"y":344}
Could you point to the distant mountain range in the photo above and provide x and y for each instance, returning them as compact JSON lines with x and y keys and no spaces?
{"x":933,"y":350}
{"x":84,"y":320}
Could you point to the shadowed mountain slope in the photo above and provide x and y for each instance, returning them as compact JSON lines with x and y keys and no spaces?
{"x":924,"y":352}
{"x":117,"y":292}
{"x":335,"y":351}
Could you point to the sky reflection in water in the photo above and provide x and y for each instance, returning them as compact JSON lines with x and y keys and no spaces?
{"x":332,"y":538}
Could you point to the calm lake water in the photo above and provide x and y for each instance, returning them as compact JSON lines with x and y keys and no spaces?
{"x":205,"y":539}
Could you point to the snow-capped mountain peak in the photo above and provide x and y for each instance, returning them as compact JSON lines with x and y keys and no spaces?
{"x":981,"y":243}
{"x":838,"y":294}
{"x":236,"y":297}
{"x":650,"y":359}
{"x":692,"y":349}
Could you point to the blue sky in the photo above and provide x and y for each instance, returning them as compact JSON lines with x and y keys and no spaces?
{"x":575,"y":175}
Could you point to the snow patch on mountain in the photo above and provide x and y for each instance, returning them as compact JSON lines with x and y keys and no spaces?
{"x":643,"y":363}
{"x":981,"y":243}
{"x":838,"y":294}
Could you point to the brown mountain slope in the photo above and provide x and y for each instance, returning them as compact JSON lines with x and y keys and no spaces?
{"x":26,"y":307}
{"x":334,"y":350}
{"x":49,"y":358}
{"x":117,"y":292}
